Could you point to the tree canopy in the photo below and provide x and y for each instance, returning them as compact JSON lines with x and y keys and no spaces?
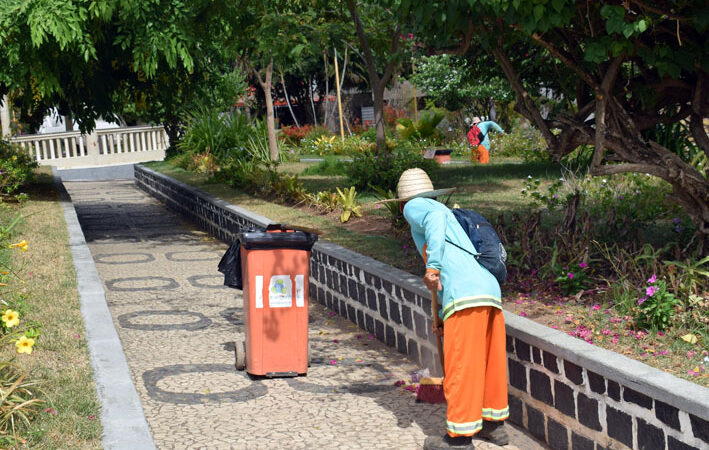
{"x":621,"y":73}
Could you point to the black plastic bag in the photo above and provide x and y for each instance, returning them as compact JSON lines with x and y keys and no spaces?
{"x":230,"y":266}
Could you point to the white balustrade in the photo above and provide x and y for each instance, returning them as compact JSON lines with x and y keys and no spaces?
{"x":115,"y":145}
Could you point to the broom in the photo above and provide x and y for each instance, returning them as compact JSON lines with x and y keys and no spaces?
{"x":430,"y":388}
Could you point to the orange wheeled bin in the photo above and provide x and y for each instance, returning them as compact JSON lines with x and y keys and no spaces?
{"x":275,"y":267}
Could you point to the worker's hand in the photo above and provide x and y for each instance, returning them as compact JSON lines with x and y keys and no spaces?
{"x":437,"y":327}
{"x":432,"y":280}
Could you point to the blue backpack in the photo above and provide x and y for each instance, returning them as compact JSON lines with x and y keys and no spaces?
{"x":491,"y":253}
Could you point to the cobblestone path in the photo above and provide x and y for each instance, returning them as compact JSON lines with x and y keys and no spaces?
{"x":178,"y":325}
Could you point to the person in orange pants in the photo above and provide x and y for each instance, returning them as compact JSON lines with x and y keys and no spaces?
{"x":475,"y":384}
{"x":479,"y":140}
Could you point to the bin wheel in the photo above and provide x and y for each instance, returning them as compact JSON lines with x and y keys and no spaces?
{"x":309,"y":355}
{"x":240,"y":350}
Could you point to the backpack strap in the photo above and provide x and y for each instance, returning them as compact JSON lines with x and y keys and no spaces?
{"x":476,"y":255}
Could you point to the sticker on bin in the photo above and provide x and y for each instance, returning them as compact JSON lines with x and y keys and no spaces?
{"x":259,"y":291}
{"x":299,"y":291}
{"x":280,"y":292}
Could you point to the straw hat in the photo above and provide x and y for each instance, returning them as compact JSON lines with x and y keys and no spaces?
{"x":476,"y":120}
{"x":415,"y":183}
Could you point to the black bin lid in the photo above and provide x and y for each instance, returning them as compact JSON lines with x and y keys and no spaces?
{"x":290,"y":239}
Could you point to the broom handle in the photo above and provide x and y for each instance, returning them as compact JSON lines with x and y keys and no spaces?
{"x":437,"y":321}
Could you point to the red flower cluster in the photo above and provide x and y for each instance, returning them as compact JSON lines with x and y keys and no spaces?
{"x":293,"y":134}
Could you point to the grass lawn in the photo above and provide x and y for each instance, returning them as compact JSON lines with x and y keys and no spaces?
{"x":69,"y":417}
{"x":492,"y":189}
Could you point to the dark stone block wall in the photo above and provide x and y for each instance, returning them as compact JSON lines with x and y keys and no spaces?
{"x":568,"y":394}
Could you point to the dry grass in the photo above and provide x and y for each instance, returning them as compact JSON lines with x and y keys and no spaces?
{"x":70,"y":416}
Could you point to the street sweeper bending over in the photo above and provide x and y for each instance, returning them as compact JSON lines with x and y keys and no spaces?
{"x":475,"y":384}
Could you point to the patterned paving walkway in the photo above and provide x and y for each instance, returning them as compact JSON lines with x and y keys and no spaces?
{"x":178,"y":326}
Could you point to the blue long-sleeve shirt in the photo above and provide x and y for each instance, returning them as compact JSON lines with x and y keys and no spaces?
{"x":466,"y":284}
{"x":485,"y":129}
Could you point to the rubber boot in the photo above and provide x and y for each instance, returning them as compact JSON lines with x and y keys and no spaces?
{"x":494,"y":432}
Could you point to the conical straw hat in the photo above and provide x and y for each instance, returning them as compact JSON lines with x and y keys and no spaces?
{"x":415,"y":183}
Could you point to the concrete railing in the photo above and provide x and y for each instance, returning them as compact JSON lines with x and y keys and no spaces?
{"x":102,"y":147}
{"x":567,"y":393}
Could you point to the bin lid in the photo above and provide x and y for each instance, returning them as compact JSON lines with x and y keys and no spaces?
{"x":288,"y":239}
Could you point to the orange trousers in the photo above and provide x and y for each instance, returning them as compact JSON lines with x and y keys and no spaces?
{"x":475,"y":385}
{"x":481,"y":154}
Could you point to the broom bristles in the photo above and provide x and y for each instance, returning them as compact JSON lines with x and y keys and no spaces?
{"x":431,"y":391}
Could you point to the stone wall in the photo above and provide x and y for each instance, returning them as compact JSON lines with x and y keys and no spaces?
{"x":567,"y":393}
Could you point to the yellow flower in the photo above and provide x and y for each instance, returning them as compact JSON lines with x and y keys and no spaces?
{"x":22,"y":245}
{"x":11,"y":318}
{"x":14,"y":157}
{"x":24,"y":345}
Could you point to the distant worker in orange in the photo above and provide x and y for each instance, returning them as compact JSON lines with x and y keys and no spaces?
{"x":479,"y":140}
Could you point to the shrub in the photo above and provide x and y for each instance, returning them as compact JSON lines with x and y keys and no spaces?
{"x":656,"y":307}
{"x":293,"y":135}
{"x":423,"y":129}
{"x":16,"y":170}
{"x":383,"y":170}
{"x":328,"y":166}
{"x":210,"y":131}
{"x":522,"y":142}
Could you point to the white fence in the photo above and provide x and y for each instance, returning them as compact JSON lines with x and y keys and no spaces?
{"x":102,"y":147}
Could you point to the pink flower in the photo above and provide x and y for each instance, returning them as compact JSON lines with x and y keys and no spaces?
{"x":691,"y":353}
{"x":660,"y":333}
{"x":359,"y":336}
{"x":371,"y":336}
{"x":606,"y":332}
{"x":411,"y":35}
{"x":523,"y":314}
{"x":570,"y":275}
{"x":92,"y":417}
{"x":663,"y":352}
{"x":652,"y":279}
{"x":650,"y":291}
{"x":596,"y":307}
{"x":50,"y":411}
{"x":642,"y":300}
{"x":614,"y":339}
{"x":332,"y":313}
{"x":399,"y":383}
{"x":583,"y":265}
{"x":555,"y":327}
{"x":377,"y":206}
{"x":333,"y":362}
{"x":405,"y":246}
{"x":336,"y":341}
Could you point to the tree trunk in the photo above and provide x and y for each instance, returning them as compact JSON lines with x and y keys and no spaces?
{"x":378,"y":98}
{"x":266,"y":85}
{"x":290,"y":108}
{"x":312,"y":105}
{"x":5,"y":116}
{"x":376,"y":82}
{"x":68,"y":122}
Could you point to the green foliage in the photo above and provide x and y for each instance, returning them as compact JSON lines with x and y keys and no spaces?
{"x":219,"y":134}
{"x":325,"y":201}
{"x":688,"y":277}
{"x":450,"y":82}
{"x":349,"y":200}
{"x":383,"y":170}
{"x":656,"y":307}
{"x":328,"y":166}
{"x":324,"y":145}
{"x":16,"y":170}
{"x":424,"y":129}
{"x":522,"y":142}
{"x":394,"y":208}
